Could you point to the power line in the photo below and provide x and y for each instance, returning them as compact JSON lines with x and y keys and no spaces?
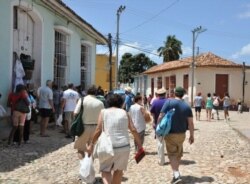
{"x":153,"y":17}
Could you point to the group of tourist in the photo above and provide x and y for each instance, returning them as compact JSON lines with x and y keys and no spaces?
{"x":116,"y":116}
{"x":212,"y":106}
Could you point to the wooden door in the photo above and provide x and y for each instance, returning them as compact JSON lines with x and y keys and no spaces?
{"x":23,"y":32}
{"x":221,"y":84}
{"x":172,"y":82}
{"x":152,"y":87}
{"x":185,"y":82}
{"x":167,"y":83}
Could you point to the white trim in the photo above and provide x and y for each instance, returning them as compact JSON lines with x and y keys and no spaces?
{"x":23,"y":4}
{"x":88,"y":43}
{"x":63,"y":29}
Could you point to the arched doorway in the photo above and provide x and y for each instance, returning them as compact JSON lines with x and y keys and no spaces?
{"x":27,"y":40}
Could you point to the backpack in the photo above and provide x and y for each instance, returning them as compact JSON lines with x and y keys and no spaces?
{"x":164,"y":127}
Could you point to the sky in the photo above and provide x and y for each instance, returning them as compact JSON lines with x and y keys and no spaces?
{"x":145,"y":24}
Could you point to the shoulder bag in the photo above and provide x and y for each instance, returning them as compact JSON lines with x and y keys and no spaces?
{"x":77,"y":127}
{"x":22,"y":106}
{"x":104,"y":148}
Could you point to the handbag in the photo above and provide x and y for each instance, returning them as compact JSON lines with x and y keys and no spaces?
{"x":104,"y":148}
{"x":22,"y":106}
{"x":77,"y":127}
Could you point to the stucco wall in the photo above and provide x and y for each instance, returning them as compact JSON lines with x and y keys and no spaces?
{"x":204,"y":81}
{"x":49,"y":20}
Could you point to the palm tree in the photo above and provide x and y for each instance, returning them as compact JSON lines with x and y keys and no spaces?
{"x":171,"y":50}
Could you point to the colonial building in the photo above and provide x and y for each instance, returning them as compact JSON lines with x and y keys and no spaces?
{"x":211,"y":74}
{"x":102,"y":72}
{"x":51,"y":41}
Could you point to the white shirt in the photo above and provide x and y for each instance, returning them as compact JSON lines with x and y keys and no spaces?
{"x":137,"y":117}
{"x":70,"y":96}
{"x":45,"y":94}
{"x":116,"y":126}
{"x":186,"y":99}
{"x":91,"y":109}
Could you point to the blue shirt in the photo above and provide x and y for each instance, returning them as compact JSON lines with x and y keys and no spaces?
{"x":128,"y":101}
{"x":181,"y":115}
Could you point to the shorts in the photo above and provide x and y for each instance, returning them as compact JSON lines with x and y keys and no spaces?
{"x":18,"y":118}
{"x":197,"y":109}
{"x":226,"y":108}
{"x":45,"y":113}
{"x":118,"y":162}
{"x":69,"y":116}
{"x":80,"y":142}
{"x":174,"y":144}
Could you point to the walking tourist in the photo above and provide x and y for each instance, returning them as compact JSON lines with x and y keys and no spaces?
{"x":116,"y":122}
{"x":226,"y":105}
{"x":128,"y":99}
{"x":209,"y":106}
{"x":69,"y":101}
{"x":216,"y":104}
{"x":91,"y":109}
{"x":181,"y":121}
{"x":137,"y":113}
{"x":198,"y":100}
{"x":155,"y":111}
{"x":18,"y":117}
{"x":46,"y":106}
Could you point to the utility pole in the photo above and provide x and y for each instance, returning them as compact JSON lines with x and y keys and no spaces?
{"x":244,"y":82}
{"x":118,"y":13}
{"x":110,"y":61}
{"x":195,"y":32}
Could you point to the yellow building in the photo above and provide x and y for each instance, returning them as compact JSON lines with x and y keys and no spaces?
{"x":102,"y":71}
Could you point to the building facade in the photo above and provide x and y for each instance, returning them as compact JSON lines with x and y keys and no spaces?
{"x":45,"y":40}
{"x":212,"y":74}
{"x":102,"y":72}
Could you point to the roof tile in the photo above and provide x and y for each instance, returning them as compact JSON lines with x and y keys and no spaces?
{"x":205,"y":59}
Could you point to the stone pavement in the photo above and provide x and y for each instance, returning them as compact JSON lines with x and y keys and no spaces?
{"x":220,"y":155}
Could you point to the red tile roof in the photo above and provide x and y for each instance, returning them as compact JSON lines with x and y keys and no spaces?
{"x":203,"y":60}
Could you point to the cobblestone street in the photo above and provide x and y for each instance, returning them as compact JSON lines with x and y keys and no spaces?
{"x":220,"y":155}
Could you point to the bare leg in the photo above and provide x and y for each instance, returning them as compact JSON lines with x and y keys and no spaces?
{"x":175,"y":163}
{"x":117,"y":177}
{"x":107,"y":178}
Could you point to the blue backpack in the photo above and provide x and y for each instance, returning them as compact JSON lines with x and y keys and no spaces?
{"x":163,"y":128}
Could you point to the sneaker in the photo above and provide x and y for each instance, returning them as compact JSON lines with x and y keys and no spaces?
{"x":176,"y":180}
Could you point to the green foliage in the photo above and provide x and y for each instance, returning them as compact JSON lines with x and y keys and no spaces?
{"x":133,"y":65}
{"x":171,"y":50}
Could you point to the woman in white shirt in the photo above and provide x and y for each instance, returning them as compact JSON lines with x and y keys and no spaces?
{"x":137,"y":113}
{"x":116,"y":123}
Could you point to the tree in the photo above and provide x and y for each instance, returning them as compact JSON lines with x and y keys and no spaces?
{"x":171,"y":50}
{"x":133,"y":65}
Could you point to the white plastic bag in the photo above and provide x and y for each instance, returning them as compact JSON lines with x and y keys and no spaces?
{"x":104,"y":147}
{"x":160,"y":149}
{"x":213,"y":111}
{"x":87,"y":171}
{"x":59,"y":120}
{"x":28,"y":115}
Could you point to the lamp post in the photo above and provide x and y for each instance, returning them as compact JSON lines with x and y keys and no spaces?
{"x":195,"y":32}
{"x":118,"y":13}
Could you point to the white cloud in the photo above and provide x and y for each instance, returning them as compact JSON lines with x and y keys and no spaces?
{"x":186,"y":51}
{"x":243,"y":52}
{"x":244,"y":15}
